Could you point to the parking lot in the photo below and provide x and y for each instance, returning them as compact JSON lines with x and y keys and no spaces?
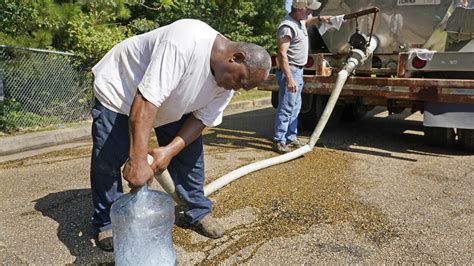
{"x":371,"y":192}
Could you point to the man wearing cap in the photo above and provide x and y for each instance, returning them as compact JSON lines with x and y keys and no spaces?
{"x":292,"y":39}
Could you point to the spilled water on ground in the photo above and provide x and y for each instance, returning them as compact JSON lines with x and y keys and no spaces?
{"x":291,"y":197}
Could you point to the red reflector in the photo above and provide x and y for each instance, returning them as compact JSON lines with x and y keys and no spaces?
{"x":274,"y":62}
{"x":310,"y":62}
{"x":418,"y":62}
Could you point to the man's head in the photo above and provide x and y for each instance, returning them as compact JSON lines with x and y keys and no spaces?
{"x":300,"y":9}
{"x":241,"y":65}
{"x":306,"y":4}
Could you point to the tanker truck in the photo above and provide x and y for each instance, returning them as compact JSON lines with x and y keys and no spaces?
{"x":423,"y":61}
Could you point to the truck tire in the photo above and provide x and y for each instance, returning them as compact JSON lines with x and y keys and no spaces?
{"x":275,"y":99}
{"x":309,"y":120}
{"x":306,"y":101}
{"x":466,"y":139}
{"x":440,"y":136}
{"x":353,"y":112}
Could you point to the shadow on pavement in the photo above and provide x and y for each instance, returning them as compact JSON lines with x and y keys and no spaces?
{"x":379,"y":136}
{"x":383,"y":136}
{"x":251,"y":129}
{"x":72,"y":210}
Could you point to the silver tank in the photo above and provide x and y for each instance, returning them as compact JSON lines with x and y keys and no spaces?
{"x":400,"y":24}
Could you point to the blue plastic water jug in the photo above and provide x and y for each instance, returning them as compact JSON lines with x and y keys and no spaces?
{"x":142,"y":225}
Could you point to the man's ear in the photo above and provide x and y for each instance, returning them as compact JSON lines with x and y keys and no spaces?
{"x":238,"y":57}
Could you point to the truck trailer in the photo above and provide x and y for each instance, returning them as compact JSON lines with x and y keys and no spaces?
{"x":423,"y":61}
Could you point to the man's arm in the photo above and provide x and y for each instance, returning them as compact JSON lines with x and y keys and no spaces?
{"x":317,"y":19}
{"x":190,"y":131}
{"x":142,"y":116}
{"x":283,"y":45}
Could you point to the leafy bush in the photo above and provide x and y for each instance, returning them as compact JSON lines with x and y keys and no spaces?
{"x":90,"y":28}
{"x":91,"y":41}
{"x":12,"y":117}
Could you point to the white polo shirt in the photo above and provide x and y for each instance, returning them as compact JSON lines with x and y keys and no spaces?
{"x":171,"y":68}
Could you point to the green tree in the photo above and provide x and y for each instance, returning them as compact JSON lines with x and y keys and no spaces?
{"x":22,"y":23}
{"x":250,"y":21}
{"x":90,"y":28}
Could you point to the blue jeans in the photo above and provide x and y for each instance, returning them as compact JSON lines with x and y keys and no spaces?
{"x":289,"y":105}
{"x":110,"y":151}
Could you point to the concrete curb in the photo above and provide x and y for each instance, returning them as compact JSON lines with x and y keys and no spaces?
{"x":248,"y":105}
{"x":37,"y":140}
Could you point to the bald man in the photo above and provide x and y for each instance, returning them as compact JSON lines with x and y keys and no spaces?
{"x":177,"y":80}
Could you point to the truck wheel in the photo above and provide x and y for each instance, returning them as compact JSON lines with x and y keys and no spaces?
{"x":275,"y":99}
{"x":466,"y":139}
{"x":440,"y":136}
{"x":353,"y":112}
{"x":309,"y":120}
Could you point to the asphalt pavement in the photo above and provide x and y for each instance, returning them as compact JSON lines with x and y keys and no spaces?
{"x":371,"y":192}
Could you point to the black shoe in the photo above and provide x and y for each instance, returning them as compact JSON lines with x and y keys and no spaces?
{"x":180,"y":217}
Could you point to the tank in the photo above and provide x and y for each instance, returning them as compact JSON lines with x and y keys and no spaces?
{"x":142,"y":225}
{"x":422,"y":62}
{"x":400,"y":24}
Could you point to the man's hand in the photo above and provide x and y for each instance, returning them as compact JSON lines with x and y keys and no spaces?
{"x":325,"y":19}
{"x":190,"y":131}
{"x":161,"y":159}
{"x":318,"y":19}
{"x":137,"y":173}
{"x":291,"y":84}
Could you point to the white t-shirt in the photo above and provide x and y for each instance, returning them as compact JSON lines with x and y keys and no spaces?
{"x":171,"y":68}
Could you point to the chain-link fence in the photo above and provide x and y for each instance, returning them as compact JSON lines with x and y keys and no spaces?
{"x":40,"y":88}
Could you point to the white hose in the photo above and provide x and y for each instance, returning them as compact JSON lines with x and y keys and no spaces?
{"x":341,"y":80}
{"x":226,"y":179}
{"x":356,"y":58}
{"x":165,"y":181}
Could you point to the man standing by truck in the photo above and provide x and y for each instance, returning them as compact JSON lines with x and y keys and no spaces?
{"x":292,"y":41}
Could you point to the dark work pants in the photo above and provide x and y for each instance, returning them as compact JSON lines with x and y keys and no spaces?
{"x":110,"y":151}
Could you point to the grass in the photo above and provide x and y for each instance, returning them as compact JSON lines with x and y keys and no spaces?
{"x":242,"y":95}
{"x":47,"y":128}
